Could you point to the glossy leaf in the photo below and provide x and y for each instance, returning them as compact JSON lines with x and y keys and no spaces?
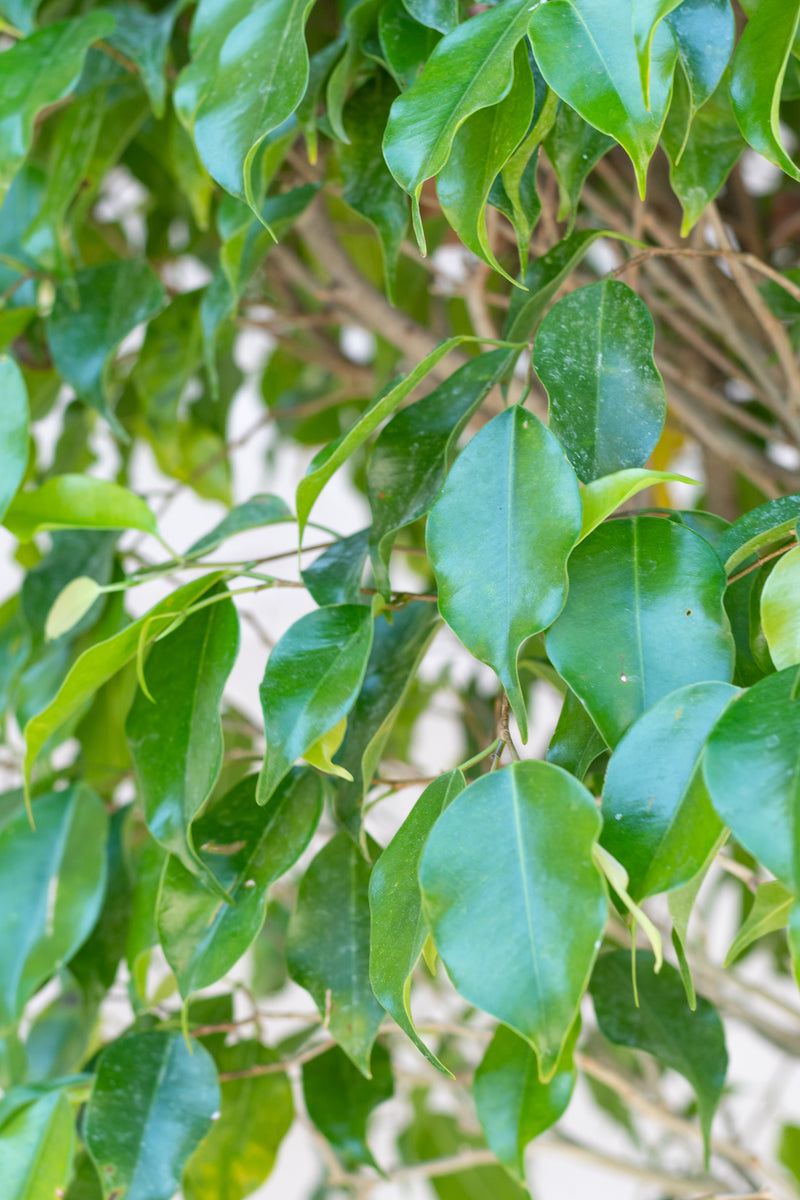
{"x":658,"y":819}
{"x":339,"y":1100}
{"x":772,"y":905}
{"x":100,"y":662}
{"x":754,"y":746}
{"x":508,"y":884}
{"x":757,"y":74}
{"x":13,"y":430}
{"x":520,"y":522}
{"x":770,"y":523}
{"x":335,"y":576}
{"x":175,"y":733}
{"x":574,"y":147}
{"x":398,"y":929}
{"x":38,"y":71}
{"x":576,"y":740}
{"x":513,"y":1105}
{"x":470,"y":69}
{"x":692,"y":1043}
{"x":245,"y":848}
{"x":255,"y":1115}
{"x":406,"y":44}
{"x":36,"y":1147}
{"x":144,"y":38}
{"x":153,"y":1100}
{"x":594,"y":355}
{"x":704,"y":31}
{"x":412,"y":454}
{"x":77,"y":502}
{"x":252,"y":514}
{"x":52,"y":879}
{"x":662,"y":584}
{"x":436,"y":14}
{"x":646,"y":17}
{"x":327,"y":946}
{"x":600,"y":77}
{"x":605,"y":495}
{"x":780,"y":612}
{"x":312,"y":679}
{"x":71,"y":604}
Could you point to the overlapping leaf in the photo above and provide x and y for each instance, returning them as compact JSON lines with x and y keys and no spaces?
{"x":757,"y":73}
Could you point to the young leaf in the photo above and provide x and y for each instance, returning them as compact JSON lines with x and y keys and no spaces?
{"x":153,"y":1100}
{"x":36,"y":1147}
{"x":647,"y":14}
{"x":770,"y":523}
{"x":594,"y":355}
{"x":770,"y":911}
{"x":77,"y":502}
{"x":398,"y":930}
{"x":519,"y":522}
{"x":603,"y":496}
{"x":51,"y":886}
{"x":339,"y":1100}
{"x":312,"y":679}
{"x":514,"y":901}
{"x":327,"y":946}
{"x":757,"y":74}
{"x":14,"y":420}
{"x":658,"y":819}
{"x":175,"y":733}
{"x":252,"y":514}
{"x":245,"y":848}
{"x":692,"y":1043}
{"x":71,"y":604}
{"x":780,"y":612}
{"x":661,"y":584}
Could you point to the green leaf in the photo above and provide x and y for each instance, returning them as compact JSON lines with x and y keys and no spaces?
{"x":692,"y":1043}
{"x":480,"y":148}
{"x":153,"y":1100}
{"x":335,"y":577}
{"x":576,"y":740}
{"x":311,"y":681}
{"x":94,"y":967}
{"x":705,"y":31}
{"x":470,"y":69}
{"x":339,"y":1100}
{"x":757,"y":74}
{"x":36,"y":1147}
{"x":520,"y":521}
{"x":436,"y":14}
{"x":327,"y":946}
{"x":772,"y":904}
{"x":770,"y":523}
{"x":77,"y":502}
{"x":59,"y":1036}
{"x":647,"y":14}
{"x":413,"y":452}
{"x":89,"y":320}
{"x":513,"y":1105}
{"x":144,"y":38}
{"x":369,"y":188}
{"x":601,"y":497}
{"x":658,"y":819}
{"x":514,"y":902}
{"x":250,"y":86}
{"x":780,"y":611}
{"x":100,"y":662}
{"x":574,"y":147}
{"x":71,"y":605}
{"x":438,"y":1136}
{"x":752,"y":751}
{"x":398,"y":929}
{"x":254,"y":513}
{"x":175,"y":732}
{"x":52,"y":879}
{"x":256,"y":1112}
{"x":14,"y":420}
{"x":406,"y":44}
{"x":662,"y":585}
{"x":600,"y":78}
{"x":38,"y":71}
{"x":594,"y":355}
{"x":245,"y":848}
{"x":141,"y":933}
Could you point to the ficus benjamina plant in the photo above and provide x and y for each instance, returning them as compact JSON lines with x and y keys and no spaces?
{"x":520,"y":283}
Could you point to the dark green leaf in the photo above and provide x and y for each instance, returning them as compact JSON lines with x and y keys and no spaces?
{"x":13,"y":431}
{"x":144,"y":38}
{"x":95,"y":965}
{"x":406,"y":44}
{"x":436,"y":14}
{"x":574,"y":147}
{"x":335,"y":577}
{"x":576,"y":741}
{"x":252,"y":514}
{"x":339,"y":1100}
{"x":757,"y":73}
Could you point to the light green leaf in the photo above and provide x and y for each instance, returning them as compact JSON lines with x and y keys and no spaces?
{"x":175,"y":733}
{"x":153,"y":1100}
{"x":51,"y":886}
{"x":251,"y":514}
{"x":594,"y":355}
{"x":780,"y":610}
{"x":617,"y":878}
{"x":646,"y":17}
{"x":320,"y":755}
{"x":255,"y":1115}
{"x":514,"y":901}
{"x":658,"y":819}
{"x":601,"y":497}
{"x":245,"y":848}
{"x":436,"y":14}
{"x":398,"y":929}
{"x":662,"y":585}
{"x":340,"y":1101}
{"x":600,"y":77}
{"x":36,"y":1148}
{"x":39,"y":71}
{"x":14,"y":419}
{"x":770,"y":911}
{"x":471,"y":68}
{"x":692,"y":1043}
{"x":769,"y":524}
{"x":519,"y":521}
{"x":327,"y":946}
{"x":77,"y":502}
{"x":757,"y":73}
{"x":312,"y":679}
{"x":73,"y":603}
